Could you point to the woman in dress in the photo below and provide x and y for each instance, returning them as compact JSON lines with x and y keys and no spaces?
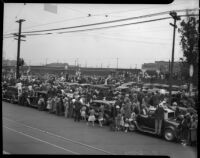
{"x":100,"y":118}
{"x":83,"y":113}
{"x":91,"y":116}
{"x":49,"y":104}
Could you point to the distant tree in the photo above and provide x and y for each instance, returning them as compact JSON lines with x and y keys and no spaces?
{"x":189,"y":33}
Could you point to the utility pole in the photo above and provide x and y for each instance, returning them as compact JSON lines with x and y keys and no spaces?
{"x":18,"y":46}
{"x":117,"y":63}
{"x":175,"y":17}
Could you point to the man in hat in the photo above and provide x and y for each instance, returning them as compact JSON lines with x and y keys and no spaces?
{"x":66,"y":105}
{"x":185,"y":132}
{"x":159,"y":117}
{"x":77,"y":110}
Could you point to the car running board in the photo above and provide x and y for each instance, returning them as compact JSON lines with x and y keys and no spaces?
{"x":143,"y":130}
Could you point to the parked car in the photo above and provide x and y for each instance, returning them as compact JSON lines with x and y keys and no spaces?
{"x":34,"y":99}
{"x":107,"y":109}
{"x":146,"y":123}
{"x":10,"y":94}
{"x":123,"y":89}
{"x":129,"y":84}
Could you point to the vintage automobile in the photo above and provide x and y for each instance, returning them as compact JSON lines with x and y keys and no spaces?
{"x":146,"y":123}
{"x":34,"y":99}
{"x":129,"y":84}
{"x":123,"y":89}
{"x":10,"y":94}
{"x":107,"y":109}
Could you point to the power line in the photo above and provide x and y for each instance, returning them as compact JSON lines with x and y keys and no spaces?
{"x":113,"y":21}
{"x":119,"y":20}
{"x":106,"y":27}
{"x":92,"y":15}
{"x":99,"y":28}
{"x":121,"y":25}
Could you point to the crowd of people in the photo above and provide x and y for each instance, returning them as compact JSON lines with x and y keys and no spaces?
{"x":73,"y":101}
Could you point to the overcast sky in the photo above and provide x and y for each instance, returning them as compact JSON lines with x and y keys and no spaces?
{"x":133,"y":45}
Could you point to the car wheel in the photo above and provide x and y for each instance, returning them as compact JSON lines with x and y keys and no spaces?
{"x":169,"y":135}
{"x":11,"y":101}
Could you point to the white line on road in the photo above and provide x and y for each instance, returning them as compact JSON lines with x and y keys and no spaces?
{"x":40,"y":140}
{"x":67,"y":139}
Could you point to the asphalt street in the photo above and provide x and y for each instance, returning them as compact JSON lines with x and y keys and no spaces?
{"x":29,"y":131}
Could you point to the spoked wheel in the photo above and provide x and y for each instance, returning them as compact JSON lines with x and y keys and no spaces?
{"x":169,"y":135}
{"x":12,"y":100}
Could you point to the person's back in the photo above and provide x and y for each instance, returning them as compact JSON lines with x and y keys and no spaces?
{"x":92,"y":112}
{"x":159,"y":113}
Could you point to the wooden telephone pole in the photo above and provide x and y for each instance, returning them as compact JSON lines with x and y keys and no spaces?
{"x":18,"y":47}
{"x":175,"y":17}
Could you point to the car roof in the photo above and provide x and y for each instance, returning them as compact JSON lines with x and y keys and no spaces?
{"x":128,"y":83}
{"x":85,"y":84}
{"x":100,"y":86}
{"x":104,"y":101}
{"x":122,"y":87}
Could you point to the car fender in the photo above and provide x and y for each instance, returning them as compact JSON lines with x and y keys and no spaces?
{"x":142,"y":130}
{"x":173,"y":129}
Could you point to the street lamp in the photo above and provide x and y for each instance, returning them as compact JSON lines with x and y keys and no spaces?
{"x":175,"y":17}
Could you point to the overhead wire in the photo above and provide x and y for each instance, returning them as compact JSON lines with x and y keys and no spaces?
{"x":99,"y":28}
{"x":120,"y":25}
{"x":92,"y":15}
{"x":107,"y":22}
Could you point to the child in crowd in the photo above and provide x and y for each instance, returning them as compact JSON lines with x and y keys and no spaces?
{"x":122,"y":121}
{"x":126,"y":124}
{"x":131,"y":121}
{"x":100,"y":118}
{"x":83,"y":113}
{"x":91,"y":116}
{"x":49,"y":104}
